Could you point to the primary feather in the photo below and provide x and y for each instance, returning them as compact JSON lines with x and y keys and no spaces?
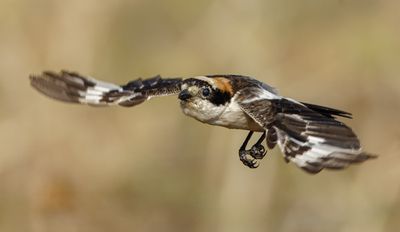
{"x":75,"y":88}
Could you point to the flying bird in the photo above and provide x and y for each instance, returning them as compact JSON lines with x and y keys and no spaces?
{"x":308,"y":135}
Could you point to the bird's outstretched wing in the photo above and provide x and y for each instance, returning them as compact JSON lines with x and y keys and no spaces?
{"x":75,"y":88}
{"x":308,"y":135}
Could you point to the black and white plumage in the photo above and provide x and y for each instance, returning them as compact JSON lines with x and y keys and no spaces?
{"x":72,"y":87}
{"x":308,"y":135}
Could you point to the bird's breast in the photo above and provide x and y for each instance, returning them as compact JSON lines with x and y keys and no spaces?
{"x":229,"y":116}
{"x":234,"y":117}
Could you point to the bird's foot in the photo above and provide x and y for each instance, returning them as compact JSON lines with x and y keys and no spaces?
{"x":248,"y":159}
{"x":251,"y":158}
{"x":258,"y":151}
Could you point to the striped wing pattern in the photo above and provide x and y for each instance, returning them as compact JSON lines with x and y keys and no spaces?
{"x":75,"y":88}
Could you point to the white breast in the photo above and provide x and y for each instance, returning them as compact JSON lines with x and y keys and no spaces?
{"x":230,"y":115}
{"x":233,"y":117}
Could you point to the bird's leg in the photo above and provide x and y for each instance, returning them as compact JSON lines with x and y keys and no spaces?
{"x":246,"y":141}
{"x":257,"y":150}
{"x":245,"y":155}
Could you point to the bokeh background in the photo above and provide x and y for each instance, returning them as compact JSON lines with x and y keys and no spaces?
{"x":75,"y":168}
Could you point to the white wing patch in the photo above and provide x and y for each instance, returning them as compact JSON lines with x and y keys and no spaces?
{"x":259,"y":94}
{"x":96,"y":95}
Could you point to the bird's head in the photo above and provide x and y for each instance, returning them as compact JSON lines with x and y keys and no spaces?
{"x":205,"y":98}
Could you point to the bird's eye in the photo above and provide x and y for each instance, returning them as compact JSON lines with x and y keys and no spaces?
{"x":206,"y":92}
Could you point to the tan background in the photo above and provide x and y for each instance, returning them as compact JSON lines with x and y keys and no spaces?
{"x":150,"y":168}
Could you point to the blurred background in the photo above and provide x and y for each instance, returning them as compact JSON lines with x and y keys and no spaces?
{"x":69,"y":168}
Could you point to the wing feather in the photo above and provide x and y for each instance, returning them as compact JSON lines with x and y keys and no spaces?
{"x":308,"y":135}
{"x":74,"y":88}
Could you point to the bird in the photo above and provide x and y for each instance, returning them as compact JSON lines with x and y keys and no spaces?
{"x":308,"y":135}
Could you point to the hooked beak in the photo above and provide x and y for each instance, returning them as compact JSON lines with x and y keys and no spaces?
{"x":184,"y":95}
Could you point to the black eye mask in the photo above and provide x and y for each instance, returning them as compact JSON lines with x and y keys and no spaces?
{"x":216,"y":96}
{"x":220,"y":98}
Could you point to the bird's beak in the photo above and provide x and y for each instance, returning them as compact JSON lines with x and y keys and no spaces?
{"x":184,"y":95}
